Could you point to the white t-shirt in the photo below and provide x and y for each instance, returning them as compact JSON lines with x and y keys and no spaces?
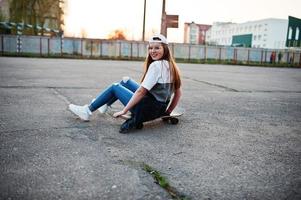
{"x":158,"y":81}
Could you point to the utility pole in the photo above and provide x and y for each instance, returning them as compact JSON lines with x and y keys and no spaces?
{"x":143,"y":30}
{"x":60,"y":20}
{"x":163,"y":20}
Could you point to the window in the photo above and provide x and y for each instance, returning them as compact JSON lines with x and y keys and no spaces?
{"x":259,"y":37}
{"x":297,"y":33}
{"x":290,"y":33}
{"x":255,"y":37}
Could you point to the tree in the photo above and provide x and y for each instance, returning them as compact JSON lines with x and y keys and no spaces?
{"x":2,"y":17}
{"x":117,"y":35}
{"x":37,"y":13}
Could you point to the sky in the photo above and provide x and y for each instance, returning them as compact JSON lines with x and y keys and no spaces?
{"x":99,"y":18}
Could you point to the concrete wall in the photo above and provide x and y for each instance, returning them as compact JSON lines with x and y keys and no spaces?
{"x":134,"y":49}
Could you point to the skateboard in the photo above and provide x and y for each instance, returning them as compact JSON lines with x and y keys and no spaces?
{"x":173,"y":118}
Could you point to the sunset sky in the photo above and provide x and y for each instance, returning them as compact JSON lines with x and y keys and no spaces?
{"x":99,"y":18}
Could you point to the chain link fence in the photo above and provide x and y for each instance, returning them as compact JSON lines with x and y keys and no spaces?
{"x":120,"y":49}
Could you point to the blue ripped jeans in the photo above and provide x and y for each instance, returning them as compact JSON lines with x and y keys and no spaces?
{"x":148,"y":108}
{"x":123,"y":91}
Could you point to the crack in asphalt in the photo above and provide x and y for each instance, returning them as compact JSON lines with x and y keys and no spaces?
{"x":157,"y":176}
{"x":241,"y":91}
{"x":61,"y":96}
{"x":212,"y":84}
{"x":44,"y":129}
{"x":43,"y":87}
{"x":55,"y":89}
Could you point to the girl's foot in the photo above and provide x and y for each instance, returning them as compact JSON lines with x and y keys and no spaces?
{"x":82,"y":112}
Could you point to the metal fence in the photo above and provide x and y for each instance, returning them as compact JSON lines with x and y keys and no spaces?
{"x":96,"y":48}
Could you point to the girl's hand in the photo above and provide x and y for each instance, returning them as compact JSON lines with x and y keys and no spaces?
{"x":118,"y":114}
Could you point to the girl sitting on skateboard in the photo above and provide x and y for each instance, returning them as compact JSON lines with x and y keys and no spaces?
{"x":147,"y":101}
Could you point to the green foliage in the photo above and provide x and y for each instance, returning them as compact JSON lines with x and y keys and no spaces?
{"x":2,"y":17}
{"x":163,"y":182}
{"x":36,"y":13}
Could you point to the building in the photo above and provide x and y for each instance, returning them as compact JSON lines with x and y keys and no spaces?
{"x":195,"y":33}
{"x":37,"y":18}
{"x":265,"y":33}
{"x":293,"y":32}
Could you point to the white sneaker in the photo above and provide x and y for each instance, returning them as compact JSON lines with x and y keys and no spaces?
{"x":103,"y":109}
{"x":82,"y":112}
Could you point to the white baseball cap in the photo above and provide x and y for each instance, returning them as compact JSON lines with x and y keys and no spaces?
{"x":158,"y":39}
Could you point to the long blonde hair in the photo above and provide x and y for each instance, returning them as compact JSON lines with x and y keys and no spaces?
{"x":174,"y":70}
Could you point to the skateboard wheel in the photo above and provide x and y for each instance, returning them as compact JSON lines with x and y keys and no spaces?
{"x":174,"y":120}
{"x":139,"y":126}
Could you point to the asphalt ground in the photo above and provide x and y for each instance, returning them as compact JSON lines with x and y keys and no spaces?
{"x":240,"y":136}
